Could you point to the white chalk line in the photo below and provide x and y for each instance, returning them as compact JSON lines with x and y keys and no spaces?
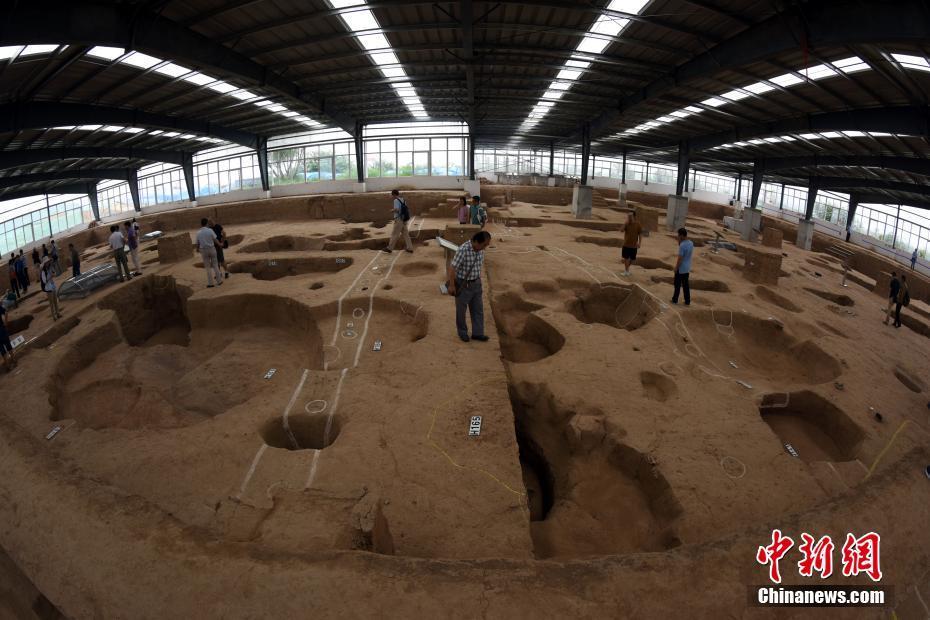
{"x":251,"y":472}
{"x":329,"y":422}
{"x":287,"y":410}
{"x":332,"y":410}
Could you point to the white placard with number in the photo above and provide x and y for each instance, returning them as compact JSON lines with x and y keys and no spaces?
{"x":474,"y":427}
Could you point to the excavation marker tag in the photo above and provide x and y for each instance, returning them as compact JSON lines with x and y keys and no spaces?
{"x":19,"y":340}
{"x":474,"y":428}
{"x":377,"y":346}
{"x":790,"y":450}
{"x":272,"y":263}
{"x":270,"y":373}
{"x":55,"y":430}
{"x":745,"y":385}
{"x":340,"y":261}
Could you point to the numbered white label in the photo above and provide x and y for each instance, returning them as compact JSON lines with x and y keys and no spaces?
{"x":474,"y":428}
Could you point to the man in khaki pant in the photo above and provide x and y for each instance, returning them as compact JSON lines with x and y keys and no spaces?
{"x":401,"y":217}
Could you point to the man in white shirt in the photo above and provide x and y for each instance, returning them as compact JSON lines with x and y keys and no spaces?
{"x":117,"y":241}
{"x":207,"y":244}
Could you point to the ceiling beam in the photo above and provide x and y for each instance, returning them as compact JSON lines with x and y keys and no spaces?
{"x":15,"y":117}
{"x":127,"y":26}
{"x":15,"y":159}
{"x":117,"y":174}
{"x":68,"y":188}
{"x":908,"y":120}
{"x":808,"y":25}
{"x":768,"y":164}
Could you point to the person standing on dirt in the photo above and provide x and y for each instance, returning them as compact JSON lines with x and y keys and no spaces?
{"x":477,"y":216}
{"x":893,"y":289}
{"x":36,"y":259}
{"x":6,"y":347}
{"x":14,"y":277}
{"x":47,"y":278}
{"x":208,"y":245}
{"x":683,"y":267}
{"x":75,"y":261}
{"x":914,"y":260}
{"x":132,"y":240}
{"x":463,"y":211}
{"x":22,"y":272}
{"x":903,"y":298}
{"x":223,"y":244}
{"x":465,"y":285}
{"x":117,"y":242}
{"x":401,"y":217}
{"x":54,"y":254}
{"x":632,"y":239}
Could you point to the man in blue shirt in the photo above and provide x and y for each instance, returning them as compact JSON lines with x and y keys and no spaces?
{"x":683,"y":266}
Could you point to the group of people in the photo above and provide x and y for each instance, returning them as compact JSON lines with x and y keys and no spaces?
{"x":211,"y":241}
{"x":632,"y":241}
{"x":467,"y":214}
{"x":122,"y":240}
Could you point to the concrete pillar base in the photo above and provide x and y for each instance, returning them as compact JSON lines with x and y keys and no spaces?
{"x":193,"y":203}
{"x":752,"y":221}
{"x":472,"y":188}
{"x":621,"y":197}
{"x":550,"y":181}
{"x":359,"y":188}
{"x":268,"y":193}
{"x":581,"y":201}
{"x":677,"y":212}
{"x":805,"y":234}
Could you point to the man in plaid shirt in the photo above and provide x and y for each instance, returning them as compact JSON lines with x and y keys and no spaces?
{"x":465,"y":286}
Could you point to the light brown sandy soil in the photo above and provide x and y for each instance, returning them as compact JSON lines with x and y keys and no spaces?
{"x":622,"y":468}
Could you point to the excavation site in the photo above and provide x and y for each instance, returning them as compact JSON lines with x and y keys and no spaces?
{"x":338,"y":309}
{"x":317,"y":417}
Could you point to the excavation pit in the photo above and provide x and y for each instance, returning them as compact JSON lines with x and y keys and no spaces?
{"x":815,"y":428}
{"x":620,"y":307}
{"x":909,"y":379}
{"x":587,"y":495}
{"x":418,"y":268}
{"x":761,"y":348}
{"x":283,"y":243}
{"x":19,"y":324}
{"x":841,"y":300}
{"x":301,"y":431}
{"x":657,"y":387}
{"x":525,"y":337}
{"x":275,"y":269}
{"x":781,"y":301}
{"x":193,"y":359}
{"x":716,"y":286}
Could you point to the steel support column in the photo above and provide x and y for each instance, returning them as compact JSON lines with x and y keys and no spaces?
{"x":683,"y":164}
{"x":739,"y":185}
{"x":851,"y":213}
{"x":757,"y":171}
{"x":133,"y":181}
{"x":812,"y":190}
{"x":359,"y":153}
{"x":551,"y":157}
{"x":623,"y":170}
{"x":471,"y":154}
{"x":781,"y":198}
{"x":585,"y":152}
{"x":94,"y":201}
{"x":897,"y":218}
{"x":187,"y":165}
{"x":262,"y":151}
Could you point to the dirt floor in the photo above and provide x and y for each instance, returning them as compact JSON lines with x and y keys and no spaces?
{"x":246,"y":450}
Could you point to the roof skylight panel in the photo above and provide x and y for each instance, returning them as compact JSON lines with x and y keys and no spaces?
{"x":817,"y":72}
{"x":106,"y":53}
{"x":759,"y":87}
{"x":832,"y":134}
{"x":851,"y":64}
{"x":198,"y":78}
{"x":11,"y":51}
{"x":89,"y":127}
{"x":912,"y":62}
{"x":38,"y":49}
{"x":810,"y":136}
{"x":786,"y":80}
{"x":171,"y":70}
{"x":221,"y":87}
{"x":714,"y":102}
{"x":140,"y":60}
{"x":735,"y":95}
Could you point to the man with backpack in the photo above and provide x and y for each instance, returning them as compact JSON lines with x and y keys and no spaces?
{"x":401,"y":217}
{"x":893,"y":289}
{"x":476,"y":213}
